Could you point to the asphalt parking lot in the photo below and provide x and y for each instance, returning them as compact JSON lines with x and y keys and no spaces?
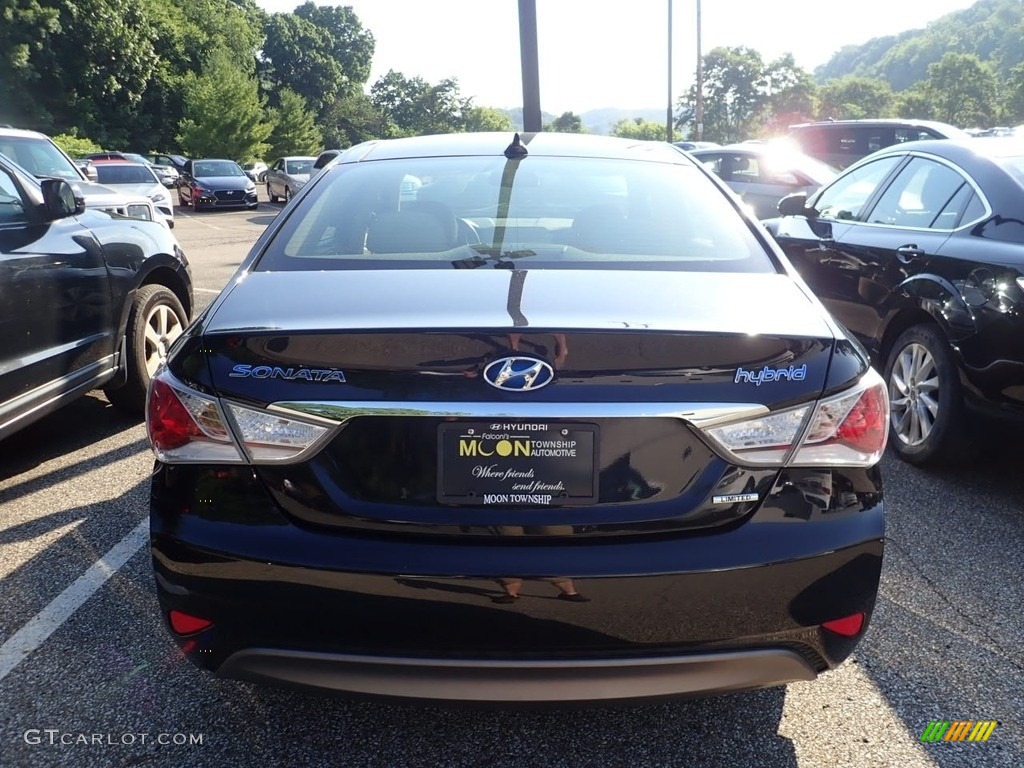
{"x":89,"y":677}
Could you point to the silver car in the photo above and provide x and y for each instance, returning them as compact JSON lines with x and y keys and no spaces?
{"x":287,"y":176}
{"x":763,"y":174}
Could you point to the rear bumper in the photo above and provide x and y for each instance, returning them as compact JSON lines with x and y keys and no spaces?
{"x":514,"y":681}
{"x":425,"y":617}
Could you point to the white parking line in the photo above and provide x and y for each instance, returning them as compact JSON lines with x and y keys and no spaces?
{"x":206,"y":290}
{"x":27,"y":639}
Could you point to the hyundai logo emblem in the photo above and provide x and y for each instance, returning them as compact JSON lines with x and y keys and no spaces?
{"x":519,"y":374}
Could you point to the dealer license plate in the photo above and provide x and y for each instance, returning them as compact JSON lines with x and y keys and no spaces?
{"x":517,"y":463}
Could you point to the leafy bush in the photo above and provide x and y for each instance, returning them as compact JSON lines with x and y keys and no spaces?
{"x":76,"y":145}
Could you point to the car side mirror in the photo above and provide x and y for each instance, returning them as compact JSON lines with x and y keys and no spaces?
{"x":795,"y":205}
{"x":59,"y":199}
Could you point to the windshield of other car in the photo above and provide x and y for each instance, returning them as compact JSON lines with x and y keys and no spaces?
{"x":298,"y":167}
{"x":124,"y":174}
{"x":216,"y":168}
{"x":39,"y":157}
{"x":553,"y":212}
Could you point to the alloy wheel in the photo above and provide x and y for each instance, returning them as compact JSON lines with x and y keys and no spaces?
{"x":914,"y":394}
{"x":163,"y":326}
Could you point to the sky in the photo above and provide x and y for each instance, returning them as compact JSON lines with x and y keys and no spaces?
{"x":607,"y":53}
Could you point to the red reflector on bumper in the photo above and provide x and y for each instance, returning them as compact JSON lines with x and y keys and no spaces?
{"x":848,"y":626}
{"x":184,"y":624}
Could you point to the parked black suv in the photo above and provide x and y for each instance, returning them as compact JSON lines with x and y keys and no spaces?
{"x":844,"y":142}
{"x":87,"y":299}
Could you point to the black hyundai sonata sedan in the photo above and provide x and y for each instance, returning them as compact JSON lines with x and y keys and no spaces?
{"x":490,"y":418}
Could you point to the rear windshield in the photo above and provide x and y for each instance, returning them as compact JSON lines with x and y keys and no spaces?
{"x":124,"y":174}
{"x":298,"y":167}
{"x":538,"y":212}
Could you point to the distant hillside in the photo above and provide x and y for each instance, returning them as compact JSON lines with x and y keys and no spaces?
{"x":594,"y":120}
{"x":993,"y":30}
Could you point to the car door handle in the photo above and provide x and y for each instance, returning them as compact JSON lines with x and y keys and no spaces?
{"x":907,"y":253}
{"x":826,"y":243}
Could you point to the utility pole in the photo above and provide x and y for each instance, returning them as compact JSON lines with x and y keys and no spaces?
{"x":530,"y":66}
{"x":700,"y":84}
{"x":668,"y":114}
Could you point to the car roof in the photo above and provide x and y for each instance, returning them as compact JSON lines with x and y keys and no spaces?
{"x":23,"y":132}
{"x":894,"y":122}
{"x":545,"y":143}
{"x":960,"y":150}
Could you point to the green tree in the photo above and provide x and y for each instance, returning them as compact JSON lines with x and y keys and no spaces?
{"x":75,"y":145}
{"x":26,"y":29}
{"x":792,"y":96}
{"x":963,"y":90}
{"x":567,"y":122}
{"x":1013,"y":98}
{"x":349,"y":44}
{"x":915,"y":103}
{"x":296,"y":57}
{"x":350,"y":120}
{"x":735,"y":88}
{"x":412,"y":106}
{"x":224,"y":112}
{"x":487,"y":119}
{"x":855,"y":98}
{"x":644,"y":130}
{"x":295,"y":131}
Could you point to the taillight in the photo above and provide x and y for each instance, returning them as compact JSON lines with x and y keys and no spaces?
{"x":848,"y":429}
{"x":186,"y":426}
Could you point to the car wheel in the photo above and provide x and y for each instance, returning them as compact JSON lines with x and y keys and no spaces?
{"x":181,"y":199}
{"x":287,"y":194}
{"x":195,"y":204}
{"x":927,"y":424}
{"x":271,"y":195}
{"x":155,"y":321}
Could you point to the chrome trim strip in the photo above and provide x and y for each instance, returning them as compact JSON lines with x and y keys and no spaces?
{"x":701,"y":415}
{"x":521,"y":681}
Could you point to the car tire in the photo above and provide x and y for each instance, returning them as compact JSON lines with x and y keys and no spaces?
{"x":195,"y":205}
{"x":156,"y":319}
{"x":287,"y":194}
{"x":927,"y":423}
{"x":271,"y":195}
{"x":181,"y":199}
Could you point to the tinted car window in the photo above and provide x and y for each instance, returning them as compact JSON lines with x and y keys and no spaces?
{"x":919,"y":195}
{"x":555,"y":212}
{"x":845,"y":199}
{"x":125,"y":174}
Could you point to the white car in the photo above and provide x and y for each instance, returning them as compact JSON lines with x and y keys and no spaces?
{"x":36,"y":153}
{"x":137,"y":180}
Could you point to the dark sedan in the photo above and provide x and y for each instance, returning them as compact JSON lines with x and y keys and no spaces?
{"x":215,"y":184}
{"x":919,"y":252}
{"x":556,"y":422}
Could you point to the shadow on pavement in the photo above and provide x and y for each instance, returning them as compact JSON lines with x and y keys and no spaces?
{"x":945,"y":639}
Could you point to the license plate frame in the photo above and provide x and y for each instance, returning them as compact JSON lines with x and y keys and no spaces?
{"x":517,"y":463}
